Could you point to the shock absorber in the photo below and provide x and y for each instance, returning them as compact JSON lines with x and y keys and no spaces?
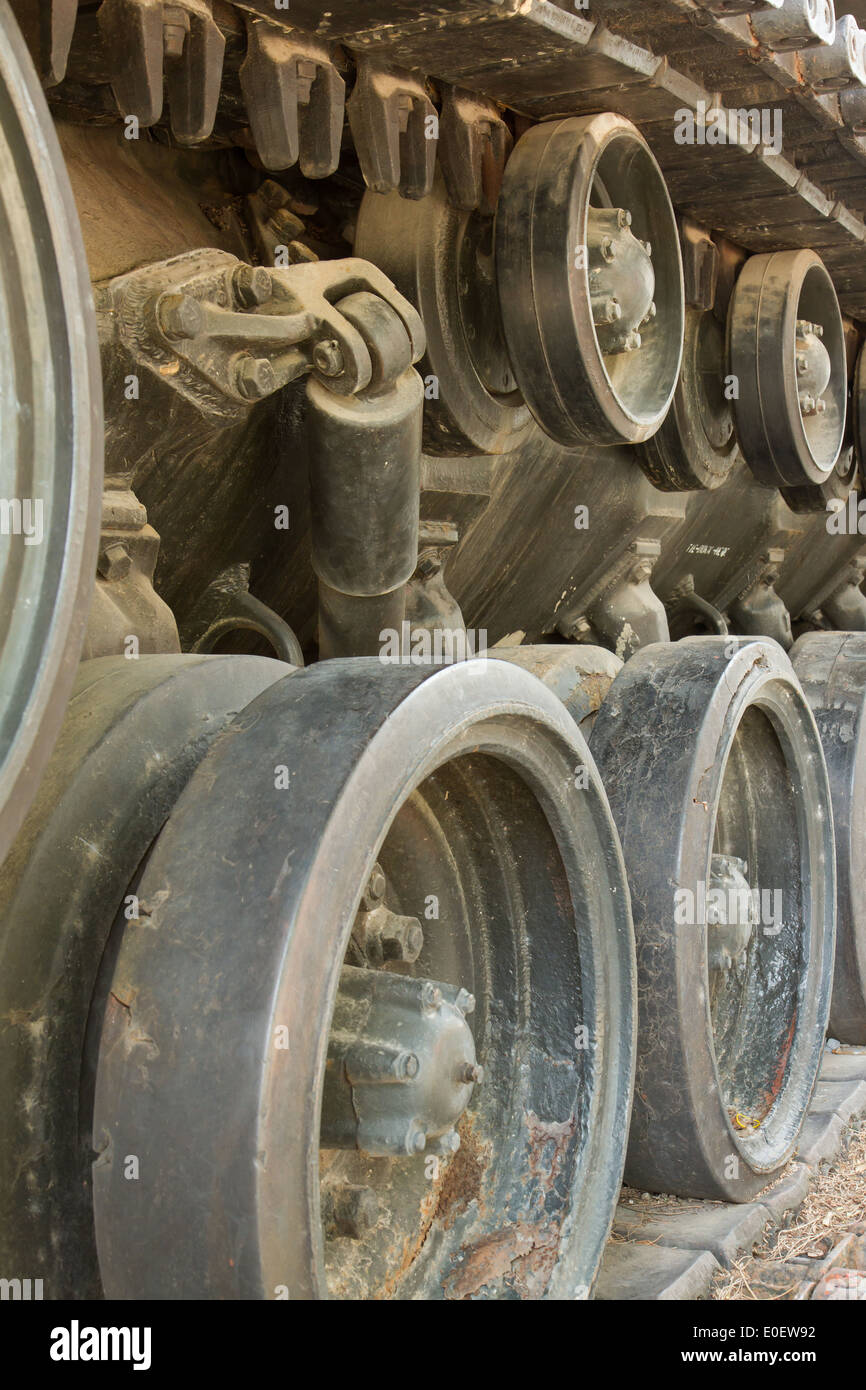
{"x":226,"y":335}
{"x":365,"y":459}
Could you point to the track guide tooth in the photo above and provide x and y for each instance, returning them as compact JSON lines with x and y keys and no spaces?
{"x":474,"y":144}
{"x":132,"y":31}
{"x":296,"y":100}
{"x":395,"y":129}
{"x":48,"y":29}
{"x":194,"y":79}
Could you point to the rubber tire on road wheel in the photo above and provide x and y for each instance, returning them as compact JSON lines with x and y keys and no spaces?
{"x":831,"y":667}
{"x":134,"y":731}
{"x":464,"y":777}
{"x":701,"y":751}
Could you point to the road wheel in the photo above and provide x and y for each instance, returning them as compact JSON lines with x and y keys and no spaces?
{"x":832,"y":669}
{"x":50,"y":433}
{"x":376,"y":1037}
{"x":134,"y":731}
{"x":717,"y":782}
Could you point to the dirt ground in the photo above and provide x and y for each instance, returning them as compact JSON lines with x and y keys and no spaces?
{"x":828,"y":1232}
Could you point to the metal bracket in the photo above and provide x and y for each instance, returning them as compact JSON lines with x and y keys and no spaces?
{"x":227,"y":606}
{"x":295,"y":99}
{"x":225,"y":334}
{"x":395,"y":128}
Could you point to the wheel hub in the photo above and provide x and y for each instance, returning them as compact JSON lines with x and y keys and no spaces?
{"x":730,"y":911}
{"x":401,"y":1065}
{"x":621,"y":279}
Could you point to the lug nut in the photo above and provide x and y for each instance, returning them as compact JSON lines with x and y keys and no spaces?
{"x":328,"y":357}
{"x":802,"y":363}
{"x":255,"y":378}
{"x":632,"y":342}
{"x":608,"y":250}
{"x":179,"y":316}
{"x":470,"y":1074}
{"x":252,"y":285}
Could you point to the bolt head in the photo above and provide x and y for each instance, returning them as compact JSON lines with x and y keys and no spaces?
{"x":255,"y":378}
{"x":179,"y":316}
{"x":470,"y":1074}
{"x":416,"y":1143}
{"x":253,"y":285}
{"x":328,"y":357}
{"x":406,"y":1066}
{"x":429,"y":565}
{"x":114,"y":561}
{"x":375,"y":889}
{"x":403,"y":940}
